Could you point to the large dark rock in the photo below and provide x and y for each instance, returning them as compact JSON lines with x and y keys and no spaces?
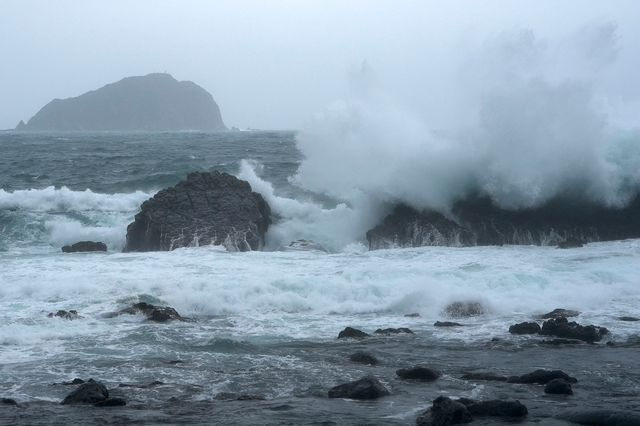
{"x":558,"y":387}
{"x":352,"y":333}
{"x":495,"y":408}
{"x":68,"y":315}
{"x":444,"y":412}
{"x":153,"y":312}
{"x":389,"y":331}
{"x":206,"y":208}
{"x":602,"y":418}
{"x":447,"y":324}
{"x":525,"y":328}
{"x":542,"y":377}
{"x":366,"y":388}
{"x":90,"y":392}
{"x":422,"y":374}
{"x":154,"y":102}
{"x":8,"y":401}
{"x":85,"y":246}
{"x":561,"y":327}
{"x":629,"y":319}
{"x":364,"y":358}
{"x":559,"y":313}
{"x":476,"y":220}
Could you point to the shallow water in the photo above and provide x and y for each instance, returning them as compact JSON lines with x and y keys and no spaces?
{"x":265,"y":323}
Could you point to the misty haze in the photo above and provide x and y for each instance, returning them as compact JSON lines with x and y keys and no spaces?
{"x":320,"y":212}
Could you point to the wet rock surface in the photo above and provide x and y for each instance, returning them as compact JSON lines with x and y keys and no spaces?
{"x":542,"y":377}
{"x":390,"y":331}
{"x":153,"y":313}
{"x":561,"y":327}
{"x":366,"y":388}
{"x":525,"y":328}
{"x":465,"y":309}
{"x":364,"y":358}
{"x":84,"y":246}
{"x":205,"y":209}
{"x":447,"y":324}
{"x":558,"y":387}
{"x":90,"y":392}
{"x":419,"y":373}
{"x":68,"y":315}
{"x":559,"y":313}
{"x":352,"y":333}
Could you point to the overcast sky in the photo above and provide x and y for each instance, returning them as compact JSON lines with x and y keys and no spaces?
{"x":268,"y":64}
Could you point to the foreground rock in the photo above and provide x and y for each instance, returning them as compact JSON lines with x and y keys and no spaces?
{"x":352,"y":333}
{"x":85,"y":246}
{"x":422,"y":374}
{"x":465,"y":309}
{"x":68,"y":315}
{"x":154,"y":313}
{"x":389,"y":331}
{"x":205,"y":209}
{"x":476,"y":220}
{"x":561,"y":327}
{"x":154,"y":102}
{"x":366,"y":388}
{"x":602,"y":418}
{"x":558,"y":387}
{"x":542,"y":377}
{"x":525,"y":328}
{"x":364,"y":358}
{"x":90,"y":392}
{"x":446,"y":411}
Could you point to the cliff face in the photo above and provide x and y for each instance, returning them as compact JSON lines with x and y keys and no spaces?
{"x":154,"y":102}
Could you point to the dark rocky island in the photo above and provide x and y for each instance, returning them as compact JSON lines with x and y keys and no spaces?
{"x":477,"y":221}
{"x":154,"y":102}
{"x":205,"y":209}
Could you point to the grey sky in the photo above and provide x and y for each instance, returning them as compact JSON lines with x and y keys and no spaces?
{"x":268,"y":64}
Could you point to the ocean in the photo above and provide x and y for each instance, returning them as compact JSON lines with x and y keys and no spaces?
{"x":265,"y":323}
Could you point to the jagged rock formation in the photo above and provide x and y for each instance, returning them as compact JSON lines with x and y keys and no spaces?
{"x":205,"y":209}
{"x":154,"y":102}
{"x":477,"y":221}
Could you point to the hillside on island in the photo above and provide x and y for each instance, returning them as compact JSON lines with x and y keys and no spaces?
{"x":154,"y":102}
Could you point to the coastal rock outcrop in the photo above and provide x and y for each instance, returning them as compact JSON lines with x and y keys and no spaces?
{"x":352,"y":333}
{"x":89,"y":392}
{"x":366,"y":388}
{"x":154,"y":102}
{"x":446,"y":411}
{"x":85,"y":246}
{"x":153,"y":313}
{"x":205,"y":209}
{"x":478,"y":221}
{"x":561,"y":327}
{"x":525,"y":328}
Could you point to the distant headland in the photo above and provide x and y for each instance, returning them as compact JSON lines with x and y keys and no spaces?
{"x":154,"y":102}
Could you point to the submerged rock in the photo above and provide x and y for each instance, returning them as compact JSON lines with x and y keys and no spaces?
{"x":364,"y":358}
{"x":232,"y":396}
{"x":366,"y":388}
{"x":558,"y":387}
{"x":444,"y":412}
{"x":111,"y":402}
{"x":90,"y":392}
{"x":542,"y":377}
{"x":205,"y":209}
{"x":153,"y":313}
{"x":464,"y":309}
{"x":85,"y":246}
{"x":447,"y":324}
{"x":68,"y":315}
{"x":525,"y":328}
{"x":422,"y":374}
{"x":388,"y":331}
{"x":352,"y":333}
{"x":559,"y":313}
{"x":629,"y":319}
{"x":484,"y":376}
{"x":8,"y":401}
{"x":561,"y":327}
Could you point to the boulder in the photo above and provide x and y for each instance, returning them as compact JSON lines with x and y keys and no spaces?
{"x":364,"y":358}
{"x":153,"y":313}
{"x":558,"y":387}
{"x":559,"y":313}
{"x":388,"y":331}
{"x":205,"y":209}
{"x":84,"y":246}
{"x":484,"y":376}
{"x":444,"y":412}
{"x":422,"y":374}
{"x":561,"y":327}
{"x":447,"y":324}
{"x":542,"y":377}
{"x":525,"y":328}
{"x":352,"y":333}
{"x":366,"y":388}
{"x":90,"y":392}
{"x":495,"y":408}
{"x":68,"y":315}
{"x":464,"y":309}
